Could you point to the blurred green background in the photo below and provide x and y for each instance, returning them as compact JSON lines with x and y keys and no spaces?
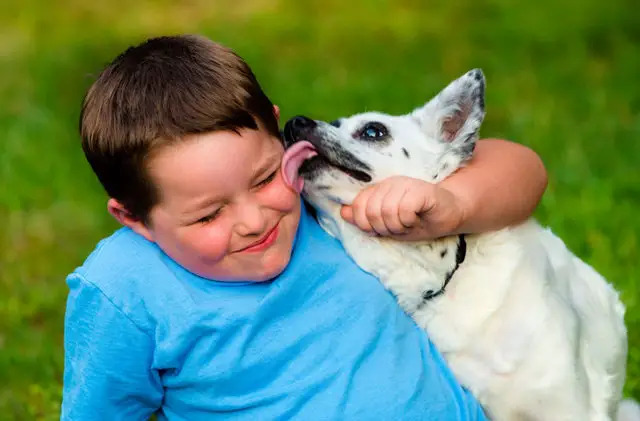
{"x":563,"y":78}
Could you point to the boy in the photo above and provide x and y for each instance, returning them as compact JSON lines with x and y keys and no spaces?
{"x":222,"y":298}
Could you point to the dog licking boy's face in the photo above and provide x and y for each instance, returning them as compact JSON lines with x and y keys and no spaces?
{"x":332,"y":162}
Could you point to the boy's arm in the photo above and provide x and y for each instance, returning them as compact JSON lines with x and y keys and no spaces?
{"x":500,"y":186}
{"x":107,"y":372}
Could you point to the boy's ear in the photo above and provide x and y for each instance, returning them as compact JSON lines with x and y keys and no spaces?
{"x":276,"y":112}
{"x":122,"y":215}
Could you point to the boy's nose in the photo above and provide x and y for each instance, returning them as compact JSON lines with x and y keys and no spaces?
{"x":251,"y":221}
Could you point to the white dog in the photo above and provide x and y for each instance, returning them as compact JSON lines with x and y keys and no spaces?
{"x":531,"y":330}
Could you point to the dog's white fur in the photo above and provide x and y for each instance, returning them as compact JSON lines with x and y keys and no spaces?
{"x":531,"y":330}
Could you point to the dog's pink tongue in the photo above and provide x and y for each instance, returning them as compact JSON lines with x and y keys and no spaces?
{"x":293,"y":159}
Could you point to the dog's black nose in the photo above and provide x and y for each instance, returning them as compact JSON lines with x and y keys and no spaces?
{"x":301,"y":122}
{"x":297,"y":128}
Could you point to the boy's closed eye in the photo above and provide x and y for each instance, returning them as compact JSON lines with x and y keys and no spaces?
{"x":267,"y":179}
{"x":210,"y":217}
{"x":213,"y":215}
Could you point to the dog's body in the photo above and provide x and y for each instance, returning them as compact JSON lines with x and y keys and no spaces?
{"x":530,"y":329}
{"x":533,"y":332}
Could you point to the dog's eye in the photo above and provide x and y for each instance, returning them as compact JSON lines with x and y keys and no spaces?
{"x":373,"y":131}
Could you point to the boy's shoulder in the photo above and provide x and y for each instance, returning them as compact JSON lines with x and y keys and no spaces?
{"x":122,"y":255}
{"x":130,"y":272}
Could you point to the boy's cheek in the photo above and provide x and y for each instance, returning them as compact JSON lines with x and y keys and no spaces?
{"x":279,"y":196}
{"x":208,"y":241}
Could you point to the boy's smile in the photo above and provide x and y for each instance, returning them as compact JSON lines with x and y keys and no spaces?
{"x":263,"y":243}
{"x":225,"y":212}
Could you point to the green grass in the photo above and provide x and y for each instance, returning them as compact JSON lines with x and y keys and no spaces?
{"x":562,"y":78}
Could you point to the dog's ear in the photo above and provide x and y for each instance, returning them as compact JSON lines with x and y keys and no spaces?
{"x":454,"y":116}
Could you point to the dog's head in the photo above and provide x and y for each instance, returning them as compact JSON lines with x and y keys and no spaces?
{"x":334,"y":161}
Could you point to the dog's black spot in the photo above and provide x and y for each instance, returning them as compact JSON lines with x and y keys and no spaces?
{"x":461,"y":253}
{"x":435,"y":176}
{"x":427,"y":294}
{"x":443,"y":253}
{"x":479,"y":93}
{"x":476,"y":74}
{"x":321,"y":187}
{"x":406,"y":153}
{"x":336,"y":123}
{"x":444,"y":167}
{"x":467,"y":148}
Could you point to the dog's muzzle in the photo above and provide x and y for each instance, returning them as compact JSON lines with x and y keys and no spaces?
{"x":329,"y":153}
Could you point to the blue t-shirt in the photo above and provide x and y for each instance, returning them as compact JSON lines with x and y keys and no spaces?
{"x":322,"y":341}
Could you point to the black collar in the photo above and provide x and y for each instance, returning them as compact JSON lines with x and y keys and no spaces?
{"x":461,"y":253}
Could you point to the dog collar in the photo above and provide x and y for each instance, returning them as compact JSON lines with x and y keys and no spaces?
{"x":461,"y":253}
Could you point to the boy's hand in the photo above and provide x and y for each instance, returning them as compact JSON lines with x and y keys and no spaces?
{"x":405,"y":208}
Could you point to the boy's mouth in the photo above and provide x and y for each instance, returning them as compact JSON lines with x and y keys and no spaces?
{"x":265,"y":242}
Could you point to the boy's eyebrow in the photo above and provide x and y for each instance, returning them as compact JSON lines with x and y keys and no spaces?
{"x":202,"y":204}
{"x":267,"y":164}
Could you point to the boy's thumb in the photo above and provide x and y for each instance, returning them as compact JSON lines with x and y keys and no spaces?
{"x":347,"y":213}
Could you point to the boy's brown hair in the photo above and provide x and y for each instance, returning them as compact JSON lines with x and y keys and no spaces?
{"x":157,"y":93}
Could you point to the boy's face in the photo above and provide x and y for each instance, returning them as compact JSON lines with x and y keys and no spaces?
{"x":225,"y":212}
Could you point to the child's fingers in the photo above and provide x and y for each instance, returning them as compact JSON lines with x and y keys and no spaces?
{"x":373,"y":211}
{"x":411,"y":205}
{"x":359,"y":207}
{"x":391,"y":210}
{"x":386,"y":209}
{"x":346,"y":212}
{"x":407,"y":210}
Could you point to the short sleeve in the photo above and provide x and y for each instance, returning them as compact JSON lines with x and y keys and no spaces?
{"x":108,"y":360}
